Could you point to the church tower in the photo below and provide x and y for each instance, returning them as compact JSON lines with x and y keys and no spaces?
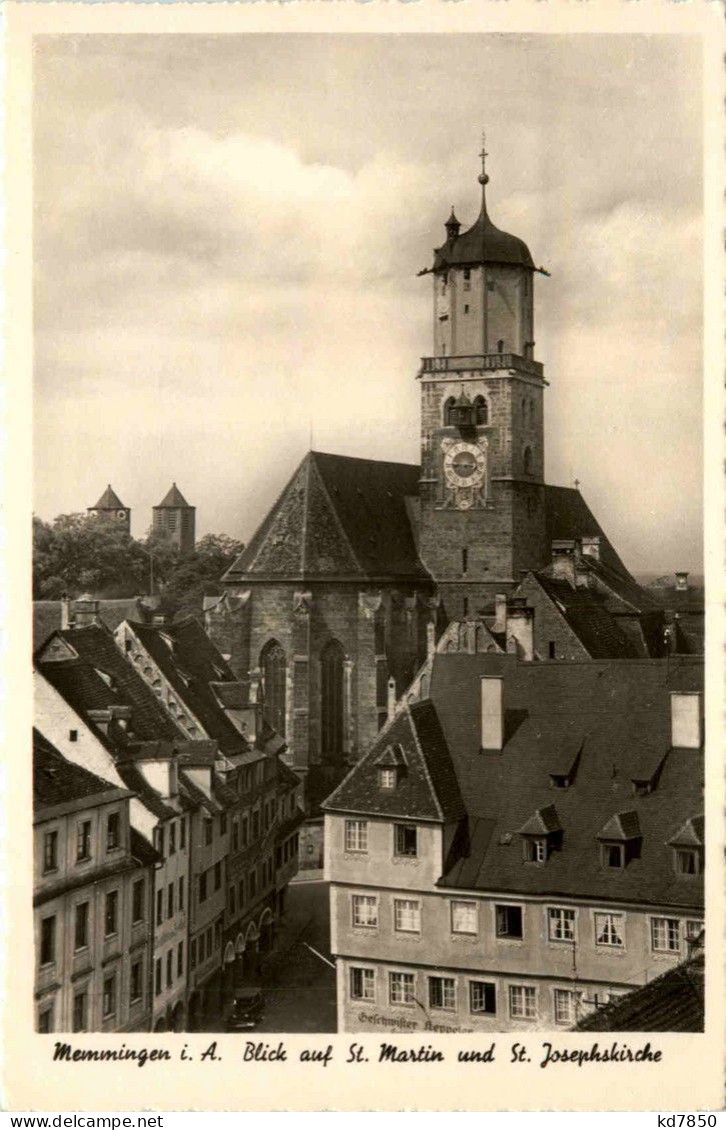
{"x":175,"y":518}
{"x":482,"y":421}
{"x":110,"y":508}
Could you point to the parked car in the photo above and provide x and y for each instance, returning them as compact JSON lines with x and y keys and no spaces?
{"x":246,"y":1009}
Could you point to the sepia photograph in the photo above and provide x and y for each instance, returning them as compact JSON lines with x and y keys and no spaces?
{"x":368,"y":576}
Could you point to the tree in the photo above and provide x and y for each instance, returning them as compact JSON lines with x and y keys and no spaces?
{"x":199,"y":574}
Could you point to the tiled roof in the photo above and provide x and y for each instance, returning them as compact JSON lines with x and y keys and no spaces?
{"x":47,"y":615}
{"x":189,"y":660}
{"x":586,"y":616}
{"x":567,"y":516}
{"x":673,"y":1002}
{"x":57,"y":781}
{"x":173,"y":499}
{"x":337,"y":516}
{"x":615,"y":705}
{"x":142,"y":851}
{"x":84,"y":689}
{"x":109,"y":500}
{"x":427,"y":788}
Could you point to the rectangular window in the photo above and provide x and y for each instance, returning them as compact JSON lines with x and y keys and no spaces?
{"x":560,"y":924}
{"x":50,"y":852}
{"x":245,"y":831}
{"x":400,"y":988}
{"x":551,"y":650}
{"x":169,"y":968}
{"x":47,"y":940}
{"x":157,"y":976}
{"x":80,"y":1011}
{"x":464,"y":919}
{"x":232,"y":900}
{"x":535,"y":850}
{"x":509,"y":921}
{"x":83,"y":841}
{"x":45,"y":1019}
{"x":113,"y":831}
{"x":159,"y":907}
{"x":182,"y":834}
{"x":522,"y":1002}
{"x":241,"y":893}
{"x":81,"y":931}
{"x":109,"y":996}
{"x":137,"y":981}
{"x":356,"y":835}
{"x":73,"y":735}
{"x":665,"y":935}
{"x":252,"y":883}
{"x":609,"y":930}
{"x":111,"y":917}
{"x":170,"y":900}
{"x":223,"y":824}
{"x":442,"y":993}
{"x":159,"y":838}
{"x":255,"y":825}
{"x":687,"y":861}
{"x":172,"y":838}
{"x":217,"y":875}
{"x":613,"y":855}
{"x":405,"y":839}
{"x":362,"y":984}
{"x":464,"y":560}
{"x":235,"y":834}
{"x":180,"y":894}
{"x":208,"y":831}
{"x":180,"y":959}
{"x":203,"y":886}
{"x":138,"y":898}
{"x":566,"y":1006}
{"x":407,"y":916}
{"x":193,"y":954}
{"x":365,"y":910}
{"x":482,"y":997}
{"x":387,"y":778}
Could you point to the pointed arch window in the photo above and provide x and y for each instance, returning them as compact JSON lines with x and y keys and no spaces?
{"x":482,"y":410}
{"x":273,"y":665}
{"x":448,"y":405}
{"x":331,"y":700}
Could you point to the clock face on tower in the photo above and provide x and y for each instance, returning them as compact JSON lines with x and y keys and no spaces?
{"x":464,"y":465}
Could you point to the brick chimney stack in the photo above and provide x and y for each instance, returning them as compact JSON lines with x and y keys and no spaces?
{"x":563,"y":560}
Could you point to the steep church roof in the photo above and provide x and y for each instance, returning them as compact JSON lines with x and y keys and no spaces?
{"x":172,"y":499}
{"x":337,"y":517}
{"x":109,"y":500}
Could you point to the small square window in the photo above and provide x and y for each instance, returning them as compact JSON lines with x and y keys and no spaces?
{"x":561,"y":924}
{"x":566,"y":1006}
{"x":407,"y":916}
{"x":405,"y":839}
{"x":665,"y":934}
{"x":463,"y":917}
{"x":401,"y":988}
{"x":442,"y":993}
{"x":356,"y":836}
{"x":509,"y":921}
{"x":613,"y":855}
{"x":73,"y":735}
{"x":365,"y":911}
{"x":687,"y":861}
{"x":387,"y":778}
{"x":362,"y":984}
{"x":523,"y":1002}
{"x":609,"y":930}
{"x":482,"y":997}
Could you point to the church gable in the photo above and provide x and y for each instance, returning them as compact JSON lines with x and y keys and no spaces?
{"x":327,"y":549}
{"x":277,"y":547}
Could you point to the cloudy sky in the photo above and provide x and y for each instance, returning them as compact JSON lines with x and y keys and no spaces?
{"x":228,"y":230}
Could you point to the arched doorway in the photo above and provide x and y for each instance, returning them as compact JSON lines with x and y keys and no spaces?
{"x":267,"y":931}
{"x":331,"y":701}
{"x":273,"y":665}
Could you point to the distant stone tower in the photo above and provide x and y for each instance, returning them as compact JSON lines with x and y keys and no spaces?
{"x":176,"y":518}
{"x":110,"y":508}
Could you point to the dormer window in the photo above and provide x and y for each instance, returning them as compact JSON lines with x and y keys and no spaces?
{"x":612,"y":855}
{"x":559,"y":781}
{"x":620,"y":840}
{"x":687,"y":861}
{"x":387,"y":777}
{"x":541,"y":835}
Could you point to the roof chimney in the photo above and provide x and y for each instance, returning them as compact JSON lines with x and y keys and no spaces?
{"x":563,"y":560}
{"x":520,"y":627}
{"x":65,"y":612}
{"x":85,"y":611}
{"x":492,"y":712}
{"x":681,"y":582}
{"x":500,"y":612}
{"x":686,"y":719}
{"x":391,"y":697}
{"x":591,"y":547}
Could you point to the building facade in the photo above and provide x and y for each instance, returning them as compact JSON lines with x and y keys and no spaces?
{"x":93,"y":878}
{"x":520,"y":847}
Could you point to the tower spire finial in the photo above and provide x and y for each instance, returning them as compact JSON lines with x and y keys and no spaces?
{"x":483,"y":177}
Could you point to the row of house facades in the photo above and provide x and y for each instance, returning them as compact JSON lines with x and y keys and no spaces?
{"x":161,"y":865}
